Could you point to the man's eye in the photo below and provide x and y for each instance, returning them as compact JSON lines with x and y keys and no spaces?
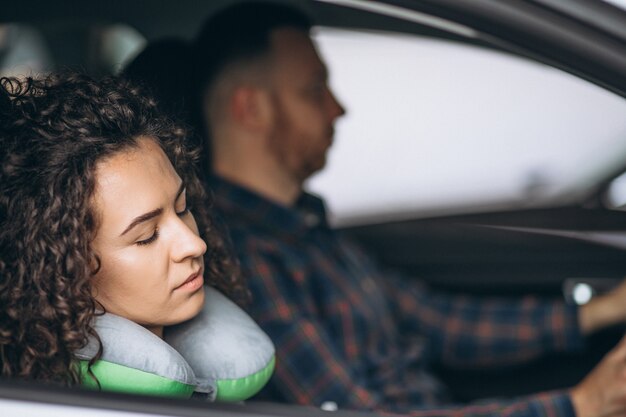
{"x":149,"y":240}
{"x":318,"y":88}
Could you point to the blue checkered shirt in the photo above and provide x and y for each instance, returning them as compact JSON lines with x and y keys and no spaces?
{"x":347,"y":332}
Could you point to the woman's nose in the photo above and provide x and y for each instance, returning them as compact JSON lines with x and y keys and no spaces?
{"x":187,"y":243}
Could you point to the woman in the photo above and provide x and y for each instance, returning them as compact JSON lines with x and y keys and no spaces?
{"x":95,"y":190}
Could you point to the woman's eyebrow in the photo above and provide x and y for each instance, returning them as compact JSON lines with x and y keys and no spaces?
{"x":151,"y":214}
{"x":143,"y":218}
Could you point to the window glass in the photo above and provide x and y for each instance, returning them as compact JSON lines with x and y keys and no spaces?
{"x":23,"y":52}
{"x":615,"y":196}
{"x":118,"y":44}
{"x":618,"y":3}
{"x":436,"y":127}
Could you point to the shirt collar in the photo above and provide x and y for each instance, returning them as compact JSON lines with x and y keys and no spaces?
{"x":309,"y":211}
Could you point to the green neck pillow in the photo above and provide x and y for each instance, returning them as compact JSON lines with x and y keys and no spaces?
{"x":221,"y":353}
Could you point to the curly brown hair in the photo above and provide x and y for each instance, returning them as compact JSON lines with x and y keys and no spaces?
{"x":53,"y":133}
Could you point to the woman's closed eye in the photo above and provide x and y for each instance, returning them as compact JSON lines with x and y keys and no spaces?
{"x":183,"y":212}
{"x":155,"y":234}
{"x":181,"y":207}
{"x":149,"y":240}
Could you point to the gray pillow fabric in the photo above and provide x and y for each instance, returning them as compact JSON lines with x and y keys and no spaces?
{"x":222,"y":343}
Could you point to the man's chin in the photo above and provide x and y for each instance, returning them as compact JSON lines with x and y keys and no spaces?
{"x":313,"y":169}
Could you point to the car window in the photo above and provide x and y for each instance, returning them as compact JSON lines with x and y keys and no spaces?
{"x":618,"y":3}
{"x":23,"y":51}
{"x":117,"y":45}
{"x":99,"y":50}
{"x":437,"y":127}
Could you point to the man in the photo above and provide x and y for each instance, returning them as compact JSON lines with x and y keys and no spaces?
{"x":345,"y":332}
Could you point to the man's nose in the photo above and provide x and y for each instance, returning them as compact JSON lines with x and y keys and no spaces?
{"x":336,"y":109}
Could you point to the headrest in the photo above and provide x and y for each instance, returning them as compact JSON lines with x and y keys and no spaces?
{"x":221,"y":352}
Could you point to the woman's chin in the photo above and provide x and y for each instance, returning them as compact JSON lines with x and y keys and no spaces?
{"x":190,"y":308}
{"x":194,"y":305}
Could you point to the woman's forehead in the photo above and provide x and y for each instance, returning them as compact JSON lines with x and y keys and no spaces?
{"x":147,"y":155}
{"x":134,"y":181}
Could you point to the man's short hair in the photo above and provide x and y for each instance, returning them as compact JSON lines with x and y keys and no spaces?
{"x":239,"y":34}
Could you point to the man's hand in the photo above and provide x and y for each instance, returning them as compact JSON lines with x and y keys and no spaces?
{"x":603,"y":392}
{"x":603,"y":311}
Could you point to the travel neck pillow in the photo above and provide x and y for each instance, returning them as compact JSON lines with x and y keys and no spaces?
{"x":221,"y":353}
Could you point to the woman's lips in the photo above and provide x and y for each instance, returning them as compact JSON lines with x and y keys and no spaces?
{"x":193,"y":283}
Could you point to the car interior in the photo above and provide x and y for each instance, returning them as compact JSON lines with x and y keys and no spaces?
{"x":562,"y":241}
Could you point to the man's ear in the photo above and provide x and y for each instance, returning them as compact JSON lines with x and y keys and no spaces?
{"x":251,"y":107}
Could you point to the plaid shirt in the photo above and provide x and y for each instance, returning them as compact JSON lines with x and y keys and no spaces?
{"x":348,"y":333}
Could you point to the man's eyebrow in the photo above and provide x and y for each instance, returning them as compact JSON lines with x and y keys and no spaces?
{"x":143,"y":218}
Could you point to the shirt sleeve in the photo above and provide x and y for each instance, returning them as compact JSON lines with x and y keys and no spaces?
{"x":465,"y":331}
{"x":311,"y":371}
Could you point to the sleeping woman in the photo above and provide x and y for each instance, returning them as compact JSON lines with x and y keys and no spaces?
{"x":101,"y":210}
